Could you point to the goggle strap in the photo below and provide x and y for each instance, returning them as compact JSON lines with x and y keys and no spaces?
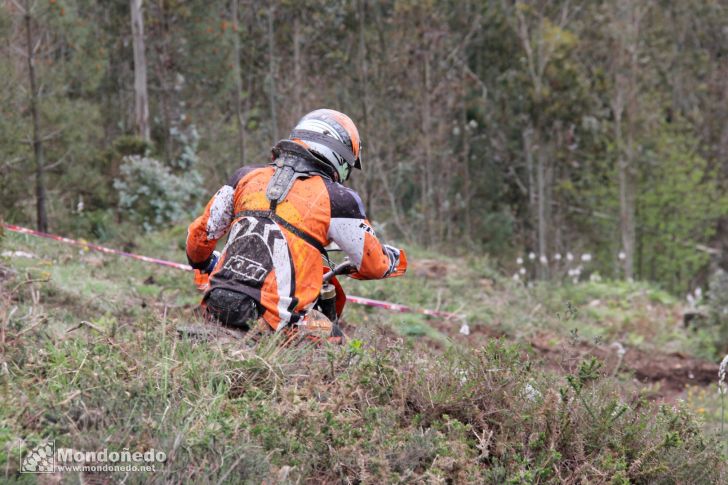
{"x":329,"y":142}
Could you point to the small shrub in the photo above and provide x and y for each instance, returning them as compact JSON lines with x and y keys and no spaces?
{"x":128,"y":145}
{"x":718,"y":308}
{"x":151,"y":195}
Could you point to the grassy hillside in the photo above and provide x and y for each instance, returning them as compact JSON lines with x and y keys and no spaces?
{"x":590,"y":383}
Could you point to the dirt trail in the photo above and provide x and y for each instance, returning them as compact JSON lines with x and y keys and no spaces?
{"x":672,"y":371}
{"x":669,"y":373}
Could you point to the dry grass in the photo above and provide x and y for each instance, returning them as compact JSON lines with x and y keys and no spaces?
{"x":378,"y":410}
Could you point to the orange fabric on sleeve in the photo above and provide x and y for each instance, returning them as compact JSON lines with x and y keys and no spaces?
{"x":199,"y":247}
{"x":374,"y":261}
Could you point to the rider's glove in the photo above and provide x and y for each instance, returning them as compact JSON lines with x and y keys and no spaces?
{"x":213,"y":261}
{"x":393,"y":254}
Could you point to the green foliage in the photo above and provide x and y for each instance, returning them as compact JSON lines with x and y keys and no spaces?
{"x":374,"y":410}
{"x":454,"y":143}
{"x":152,"y":196}
{"x":718,"y":309}
{"x":188,"y":139}
{"x":679,"y":210}
{"x":127,"y":145}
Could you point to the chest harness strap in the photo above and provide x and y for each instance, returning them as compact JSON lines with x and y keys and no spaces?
{"x":288,"y":168}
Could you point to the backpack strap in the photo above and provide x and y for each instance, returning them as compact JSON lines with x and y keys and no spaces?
{"x":292,"y":162}
{"x":271,"y":214}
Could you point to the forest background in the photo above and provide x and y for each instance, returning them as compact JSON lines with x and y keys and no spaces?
{"x":549,"y":128}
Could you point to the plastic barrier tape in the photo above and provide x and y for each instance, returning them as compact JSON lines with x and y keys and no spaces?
{"x":359,"y":300}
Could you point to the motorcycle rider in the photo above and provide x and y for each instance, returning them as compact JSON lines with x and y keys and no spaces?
{"x":280,"y":218}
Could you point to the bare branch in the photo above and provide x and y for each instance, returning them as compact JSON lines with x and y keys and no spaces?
{"x":19,"y":51}
{"x":18,"y":6}
{"x":51,"y":135}
{"x":37,"y":44}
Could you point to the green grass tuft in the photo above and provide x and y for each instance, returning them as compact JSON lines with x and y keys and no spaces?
{"x":91,"y":358}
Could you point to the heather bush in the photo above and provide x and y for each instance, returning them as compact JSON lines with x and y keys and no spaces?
{"x":380,"y":409}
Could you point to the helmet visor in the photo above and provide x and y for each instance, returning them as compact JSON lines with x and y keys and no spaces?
{"x":357,"y":162}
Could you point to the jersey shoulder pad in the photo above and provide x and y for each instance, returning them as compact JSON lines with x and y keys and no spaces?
{"x":345,"y":203}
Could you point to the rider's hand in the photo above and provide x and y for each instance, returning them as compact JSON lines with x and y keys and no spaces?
{"x":393,"y":254}
{"x":214,"y":257}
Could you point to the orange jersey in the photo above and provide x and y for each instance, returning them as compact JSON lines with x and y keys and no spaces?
{"x":264,"y":260}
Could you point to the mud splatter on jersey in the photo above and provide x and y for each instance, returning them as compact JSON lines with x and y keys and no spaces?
{"x":277,"y":268}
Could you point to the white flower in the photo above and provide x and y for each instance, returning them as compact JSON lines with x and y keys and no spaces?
{"x":516,"y":277}
{"x":622,"y":255}
{"x":465,"y":329}
{"x":530,"y":392}
{"x":595,"y":278}
{"x":519,"y":261}
{"x":543,"y":259}
{"x":619,"y":348}
{"x":473,"y":124}
{"x":456,"y":131}
{"x":586,"y":257}
{"x":618,"y":409}
{"x":722,"y":388}
{"x":569,"y":257}
{"x":698,"y":293}
{"x":557,"y":257}
{"x":463,"y":375}
{"x":522,"y":271}
{"x":531,"y":256}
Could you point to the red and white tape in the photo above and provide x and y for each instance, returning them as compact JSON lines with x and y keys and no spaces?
{"x":95,"y":247}
{"x":359,"y":300}
{"x":396,"y":307}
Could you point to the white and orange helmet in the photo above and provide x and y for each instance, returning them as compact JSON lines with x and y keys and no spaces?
{"x":332,"y":137}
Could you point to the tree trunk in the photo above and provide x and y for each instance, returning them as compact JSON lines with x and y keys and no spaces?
{"x":468,"y":229}
{"x":272,"y":73}
{"x":141,"y":99}
{"x":40,"y":191}
{"x":238,"y":83}
{"x":372,"y":147}
{"x":163,"y":97}
{"x":628,"y":187}
{"x":530,"y":174}
{"x":541,"y":180}
{"x":167,"y":80}
{"x":297,"y":75}
{"x":426,"y":195}
{"x":626,"y":201}
{"x":625,"y":102}
{"x":538,"y":53}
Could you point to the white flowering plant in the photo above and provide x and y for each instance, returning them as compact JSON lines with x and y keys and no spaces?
{"x":567,"y":267}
